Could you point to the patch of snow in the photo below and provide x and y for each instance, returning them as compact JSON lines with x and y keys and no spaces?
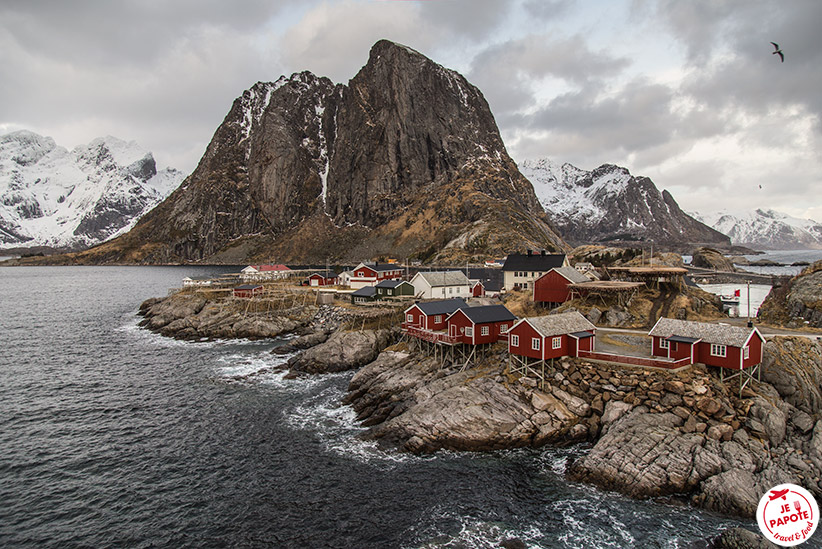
{"x":764,"y":228}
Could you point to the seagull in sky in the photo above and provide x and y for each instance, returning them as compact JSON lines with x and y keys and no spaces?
{"x":777,"y":50}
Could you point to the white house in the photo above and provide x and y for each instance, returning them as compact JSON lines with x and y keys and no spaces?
{"x":344,"y":278}
{"x":441,"y":284}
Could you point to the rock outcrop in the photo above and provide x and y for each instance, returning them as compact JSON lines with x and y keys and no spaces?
{"x":190,"y":316}
{"x":404,"y":160}
{"x":342,"y":351}
{"x":797,"y":303}
{"x":709,"y":258}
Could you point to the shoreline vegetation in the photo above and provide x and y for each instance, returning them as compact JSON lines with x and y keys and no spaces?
{"x":685,"y":435}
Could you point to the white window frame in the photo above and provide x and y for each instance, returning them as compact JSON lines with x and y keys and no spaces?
{"x":409,"y":317}
{"x":746,"y":353}
{"x":469,"y":331}
{"x":536,"y":344}
{"x":556,"y":342}
{"x":485,"y":330}
{"x":437,"y":319}
{"x":503,"y":328}
{"x":514,"y":341}
{"x":719,"y":350}
{"x":664,"y":344}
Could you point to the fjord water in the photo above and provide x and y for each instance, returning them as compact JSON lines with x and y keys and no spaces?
{"x":113,"y":436}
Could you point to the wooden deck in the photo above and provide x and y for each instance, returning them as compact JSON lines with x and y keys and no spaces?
{"x":645,"y":362}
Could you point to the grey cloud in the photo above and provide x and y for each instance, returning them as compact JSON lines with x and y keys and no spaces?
{"x":473,"y":19}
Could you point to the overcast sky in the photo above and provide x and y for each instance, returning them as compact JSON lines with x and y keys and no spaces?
{"x":686,"y":92}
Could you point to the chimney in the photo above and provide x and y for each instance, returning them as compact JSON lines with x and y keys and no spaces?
{"x":542,"y":253}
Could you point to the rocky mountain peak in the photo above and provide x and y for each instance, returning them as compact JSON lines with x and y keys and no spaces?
{"x":609,"y":204}
{"x":404,"y":160}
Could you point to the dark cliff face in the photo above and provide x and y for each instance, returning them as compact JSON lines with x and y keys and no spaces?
{"x":407,"y":158}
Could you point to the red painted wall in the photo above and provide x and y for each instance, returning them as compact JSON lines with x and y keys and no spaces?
{"x":525,"y":333}
{"x":478,"y":290}
{"x":418,"y":316}
{"x":755,"y":356}
{"x":551,"y":288}
{"x":731,"y":360}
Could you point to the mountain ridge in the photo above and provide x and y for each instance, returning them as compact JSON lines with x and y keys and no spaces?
{"x":765,"y":228}
{"x":608,"y":204}
{"x":75,"y":199}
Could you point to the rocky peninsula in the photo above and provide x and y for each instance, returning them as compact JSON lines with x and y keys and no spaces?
{"x":642,"y":432}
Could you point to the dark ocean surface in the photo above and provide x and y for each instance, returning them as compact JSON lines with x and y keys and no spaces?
{"x":111,"y":436}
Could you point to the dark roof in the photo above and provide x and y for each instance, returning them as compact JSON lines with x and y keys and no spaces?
{"x":366,"y":291}
{"x":442,"y":307}
{"x":386,"y":267}
{"x":534,"y":262}
{"x":488,"y":313}
{"x":683,"y":339}
{"x":391,"y":283}
{"x":581,"y":335}
{"x":492,"y":279}
{"x":248,"y":287}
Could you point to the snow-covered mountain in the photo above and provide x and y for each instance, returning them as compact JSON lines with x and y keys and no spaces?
{"x":766,"y":229}
{"x":50,"y":196}
{"x":609,"y":204}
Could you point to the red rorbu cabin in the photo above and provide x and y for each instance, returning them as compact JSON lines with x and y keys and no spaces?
{"x":552,"y":287}
{"x":721,"y":345}
{"x":247,"y":290}
{"x":480,"y":325}
{"x":431,"y":315}
{"x":322,"y":279}
{"x":477,"y":288}
{"x":551,"y":336}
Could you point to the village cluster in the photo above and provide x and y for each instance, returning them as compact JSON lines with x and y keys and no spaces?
{"x":438,"y":320}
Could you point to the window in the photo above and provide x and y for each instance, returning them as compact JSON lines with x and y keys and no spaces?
{"x":503,"y":328}
{"x":556,"y":343}
{"x":484,"y":331}
{"x":514,"y":341}
{"x":746,"y":353}
{"x":437,"y":319}
{"x":535,"y":343}
{"x":469,"y":331}
{"x":450,"y":290}
{"x":664,"y":344}
{"x":718,"y":350}
{"x":409,"y":317}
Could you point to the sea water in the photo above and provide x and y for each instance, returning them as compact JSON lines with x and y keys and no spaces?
{"x":114,"y":436}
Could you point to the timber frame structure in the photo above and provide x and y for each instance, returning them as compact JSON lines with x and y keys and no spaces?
{"x":448,"y":351}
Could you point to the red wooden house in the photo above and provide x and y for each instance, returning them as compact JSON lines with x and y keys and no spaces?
{"x":247,"y":290}
{"x":369,"y":275}
{"x":552,"y":336}
{"x":552,"y":287}
{"x":480,"y":325}
{"x":432,"y":315}
{"x":322,"y":279}
{"x":721,"y":345}
{"x":477,"y":288}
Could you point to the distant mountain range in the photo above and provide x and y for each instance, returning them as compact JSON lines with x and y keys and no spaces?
{"x":609,"y":205}
{"x":75,"y":199}
{"x":766,"y":229}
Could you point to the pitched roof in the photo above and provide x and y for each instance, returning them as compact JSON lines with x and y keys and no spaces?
{"x":533,"y":262}
{"x":444,"y":278}
{"x":723,"y":334}
{"x":442,"y":307}
{"x":488,"y":313}
{"x":366,"y":291}
{"x":563,"y":323}
{"x":571,"y":274}
{"x":390,"y":283}
{"x":385,"y":267}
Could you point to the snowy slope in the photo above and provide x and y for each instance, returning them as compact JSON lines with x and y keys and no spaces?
{"x":767,"y":229}
{"x":75,"y":199}
{"x":609,"y":204}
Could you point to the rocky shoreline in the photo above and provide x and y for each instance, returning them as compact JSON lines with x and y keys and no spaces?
{"x":652,"y":433}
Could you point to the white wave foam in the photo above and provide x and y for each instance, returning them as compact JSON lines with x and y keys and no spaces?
{"x":132,"y":330}
{"x":474,"y":533}
{"x":579,"y":533}
{"x":337,"y":427}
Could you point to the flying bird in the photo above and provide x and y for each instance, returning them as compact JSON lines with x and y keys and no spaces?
{"x":777,"y":50}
